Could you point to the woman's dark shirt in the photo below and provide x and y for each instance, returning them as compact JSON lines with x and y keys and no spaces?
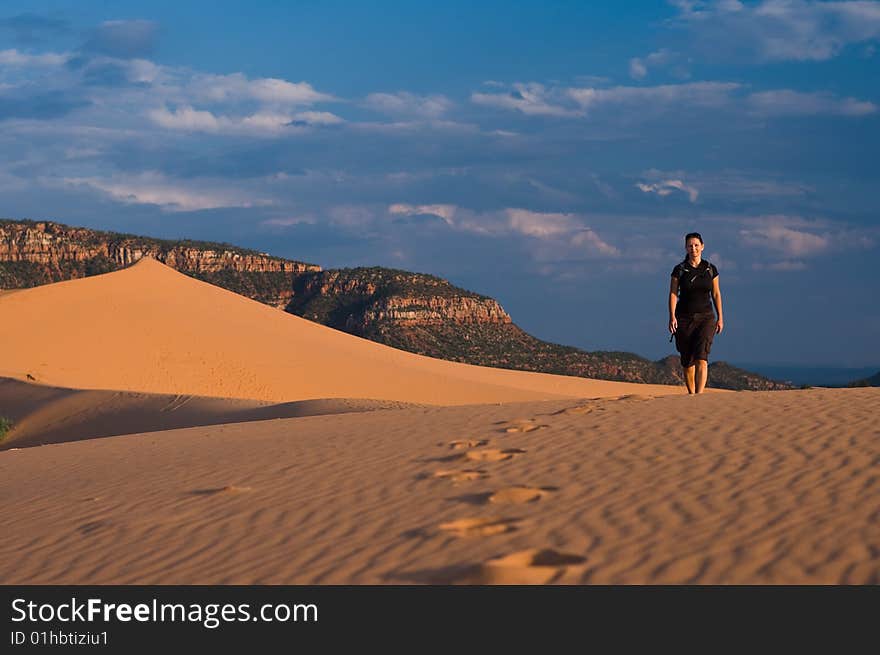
{"x":694,"y":287}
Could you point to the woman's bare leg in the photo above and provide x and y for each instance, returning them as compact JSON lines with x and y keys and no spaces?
{"x":701,"y":375}
{"x":689,"y":378}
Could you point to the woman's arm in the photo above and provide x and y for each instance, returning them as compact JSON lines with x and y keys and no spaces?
{"x":673,"y":301}
{"x":716,"y":298}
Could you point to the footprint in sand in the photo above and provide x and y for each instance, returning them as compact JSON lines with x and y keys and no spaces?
{"x":478,"y":527}
{"x":602,"y":404}
{"x":493,"y":454}
{"x":462,"y":476}
{"x":578,"y":409}
{"x":533,"y":566}
{"x":461,"y":444}
{"x":634,"y":396}
{"x":517,"y":495}
{"x":523,"y":425}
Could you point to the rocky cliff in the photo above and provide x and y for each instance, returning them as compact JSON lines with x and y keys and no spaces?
{"x":33,"y":253}
{"x":356,"y":300}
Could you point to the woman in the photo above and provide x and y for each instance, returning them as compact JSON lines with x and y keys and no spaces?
{"x":691,"y":318}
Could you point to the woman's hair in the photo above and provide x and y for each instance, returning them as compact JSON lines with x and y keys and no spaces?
{"x":693,"y":235}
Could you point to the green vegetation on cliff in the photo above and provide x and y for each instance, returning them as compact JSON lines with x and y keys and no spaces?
{"x":90,"y":238}
{"x":331,"y":297}
{"x":263,"y":286}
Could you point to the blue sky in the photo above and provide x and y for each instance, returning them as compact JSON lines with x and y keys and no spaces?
{"x":549,"y":154}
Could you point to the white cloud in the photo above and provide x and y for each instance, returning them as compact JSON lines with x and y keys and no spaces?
{"x":552,"y":229}
{"x":551,"y":193}
{"x":263,"y":123}
{"x":785,"y":265}
{"x":591,"y":80}
{"x":282,"y":91}
{"x":289,"y":221}
{"x":723,"y":263}
{"x":559,"y":231}
{"x":639,"y":67}
{"x":351,"y":216}
{"x":170,"y":97}
{"x":731,"y":183}
{"x":236,"y":87}
{"x":143,"y":71}
{"x":701,"y":94}
{"x":640,"y":102}
{"x":660,"y":57}
{"x":779,"y":237}
{"x":446,"y":212}
{"x":532,"y":99}
{"x":317,"y":118}
{"x":686,"y":7}
{"x":415,"y":127}
{"x":404,"y":103}
{"x":123,"y":38}
{"x":20,"y":59}
{"x":160,"y":80}
{"x":536,"y":99}
{"x":590,"y":239}
{"x":153,"y":188}
{"x":666,"y":187}
{"x":785,"y":102}
{"x":782,"y":30}
{"x":541,"y":225}
{"x":186,"y":118}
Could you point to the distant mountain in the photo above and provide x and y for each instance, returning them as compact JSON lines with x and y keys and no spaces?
{"x":814,"y":376}
{"x":416,"y":312}
{"x":727,"y":376}
{"x":873,"y":381}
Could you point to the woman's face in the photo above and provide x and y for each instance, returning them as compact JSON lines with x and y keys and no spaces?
{"x":693,"y":247}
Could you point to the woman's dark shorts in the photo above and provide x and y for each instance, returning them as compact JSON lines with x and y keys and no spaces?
{"x":693,"y":337}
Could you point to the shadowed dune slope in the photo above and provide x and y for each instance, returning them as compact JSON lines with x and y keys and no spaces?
{"x":150,"y":329}
{"x":43,"y":415}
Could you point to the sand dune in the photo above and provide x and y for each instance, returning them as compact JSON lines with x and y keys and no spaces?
{"x":150,"y":329}
{"x":763,"y":487}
